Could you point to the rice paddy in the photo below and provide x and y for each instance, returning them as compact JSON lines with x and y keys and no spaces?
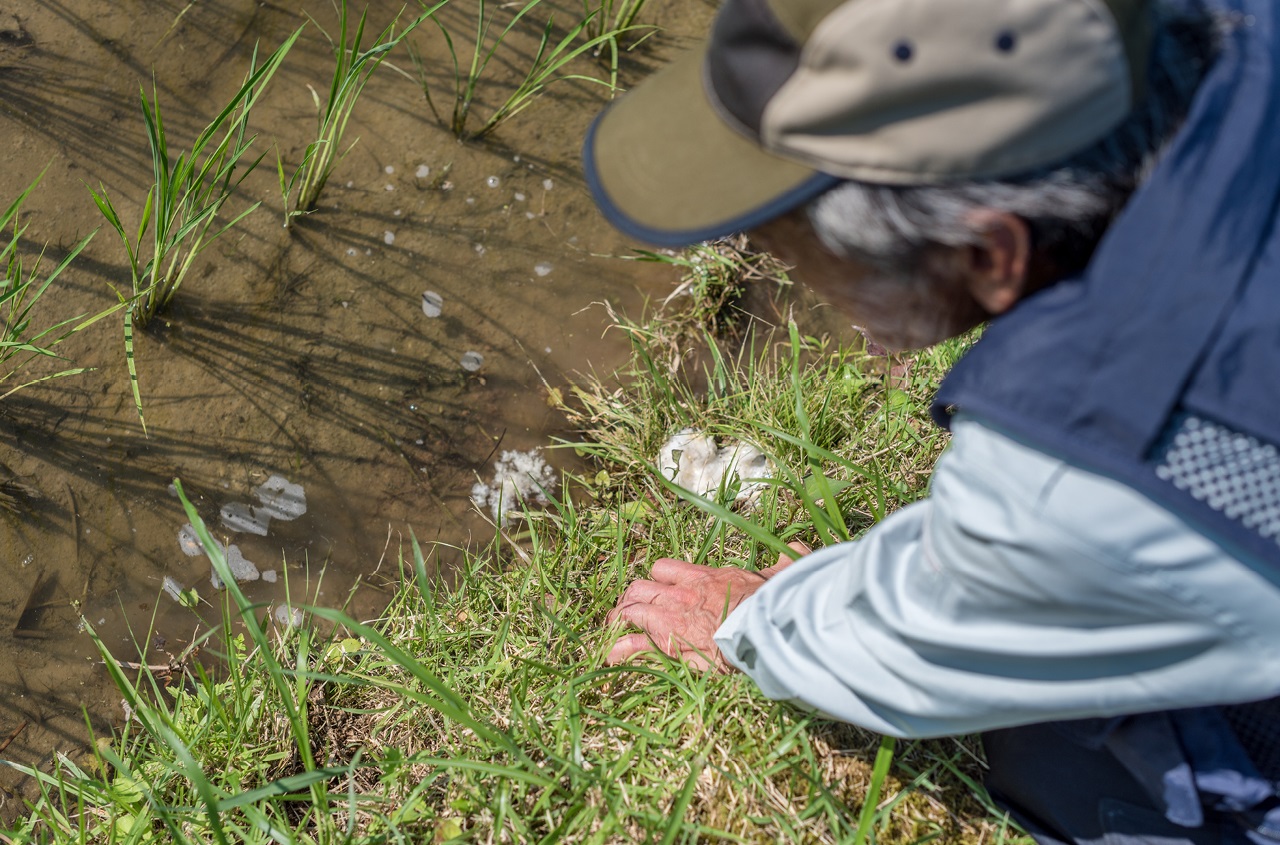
{"x":322,"y":400}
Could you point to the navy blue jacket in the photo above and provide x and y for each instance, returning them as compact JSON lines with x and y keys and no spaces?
{"x":1178,"y":311}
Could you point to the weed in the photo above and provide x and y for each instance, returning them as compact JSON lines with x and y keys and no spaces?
{"x":547,"y":65}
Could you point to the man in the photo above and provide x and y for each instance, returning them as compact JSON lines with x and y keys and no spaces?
{"x":1097,"y":567}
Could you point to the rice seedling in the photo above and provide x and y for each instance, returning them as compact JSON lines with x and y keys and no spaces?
{"x":550,"y":59}
{"x":353,"y":66}
{"x":21,"y":288}
{"x":182,"y":214}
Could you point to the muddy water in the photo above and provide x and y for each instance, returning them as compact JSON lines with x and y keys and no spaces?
{"x":304,"y":354}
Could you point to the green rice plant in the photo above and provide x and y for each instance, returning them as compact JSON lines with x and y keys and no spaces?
{"x":353,"y":66}
{"x":613,"y":19}
{"x":20,"y":289}
{"x":181,"y":216}
{"x":548,"y":65}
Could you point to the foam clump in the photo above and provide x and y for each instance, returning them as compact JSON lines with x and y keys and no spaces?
{"x":517,"y":477}
{"x":288,"y":616}
{"x":692,"y":460}
{"x":241,"y":568}
{"x":237,"y":516}
{"x":189,"y":542}
{"x":281,"y":499}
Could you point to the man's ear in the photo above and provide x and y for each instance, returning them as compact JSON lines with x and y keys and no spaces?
{"x":998,"y":265}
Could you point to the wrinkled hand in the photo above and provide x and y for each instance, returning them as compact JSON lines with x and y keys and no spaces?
{"x":683,"y":604}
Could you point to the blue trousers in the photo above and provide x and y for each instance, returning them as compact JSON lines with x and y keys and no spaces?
{"x":1120,"y":782}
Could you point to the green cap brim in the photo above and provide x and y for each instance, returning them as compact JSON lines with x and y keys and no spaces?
{"x":666,"y":169}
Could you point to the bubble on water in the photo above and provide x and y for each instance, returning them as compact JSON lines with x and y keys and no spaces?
{"x":480,"y":250}
{"x":446,"y":185}
{"x":288,"y":616}
{"x":395,"y":213}
{"x":530,"y":215}
{"x":471,"y":200}
{"x":388,"y":238}
{"x":281,"y":499}
{"x":352,"y":251}
{"x":492,"y":181}
{"x":189,"y":542}
{"x":519,"y":197}
{"x":388,"y":170}
{"x":423,"y":171}
{"x":241,"y":568}
{"x":237,"y":516}
{"x":516,"y":159}
{"x":351,"y":184}
{"x":172,"y":588}
{"x":388,"y":187}
{"x":432,"y":303}
{"x":547,"y":350}
{"x":547,"y":184}
{"x":472,"y":361}
{"x":542,"y":268}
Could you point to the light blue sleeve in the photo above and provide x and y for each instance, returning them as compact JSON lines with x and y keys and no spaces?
{"x":1022,"y":590}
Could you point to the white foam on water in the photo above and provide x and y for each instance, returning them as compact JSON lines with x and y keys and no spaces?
{"x":189,"y":542}
{"x":281,"y":499}
{"x":472,"y":361}
{"x":269,"y":575}
{"x":492,"y":181}
{"x":547,"y":184}
{"x":388,"y":170}
{"x":432,"y":303}
{"x":242,"y":569}
{"x":172,"y":588}
{"x":542,"y":268}
{"x":288,"y":616}
{"x":517,"y":477}
{"x":388,"y":238}
{"x":238,"y":516}
{"x":423,"y":171}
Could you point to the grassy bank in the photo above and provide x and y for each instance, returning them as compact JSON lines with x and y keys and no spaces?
{"x":483,"y":711}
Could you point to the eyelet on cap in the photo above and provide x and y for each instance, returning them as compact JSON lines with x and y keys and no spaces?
{"x":1006,"y":41}
{"x":903,"y":51}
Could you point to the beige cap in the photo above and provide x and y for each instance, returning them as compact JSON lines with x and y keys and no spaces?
{"x":788,"y":97}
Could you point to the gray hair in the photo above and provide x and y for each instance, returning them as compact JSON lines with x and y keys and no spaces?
{"x":1067,"y":207}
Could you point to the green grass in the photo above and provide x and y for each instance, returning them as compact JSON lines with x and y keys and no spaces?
{"x":470,"y":63}
{"x":483,"y":711}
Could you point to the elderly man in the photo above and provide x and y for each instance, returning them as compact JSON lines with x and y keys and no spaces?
{"x":1094,"y":580}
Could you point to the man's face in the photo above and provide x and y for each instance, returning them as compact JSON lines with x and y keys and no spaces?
{"x":899,"y":313}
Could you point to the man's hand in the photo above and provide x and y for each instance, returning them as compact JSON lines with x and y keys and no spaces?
{"x":682,"y":606}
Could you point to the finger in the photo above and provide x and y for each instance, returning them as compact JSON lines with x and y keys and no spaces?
{"x":785,"y":560}
{"x":671,"y":571}
{"x":647,"y":617}
{"x":627,"y":647}
{"x":649,"y":591}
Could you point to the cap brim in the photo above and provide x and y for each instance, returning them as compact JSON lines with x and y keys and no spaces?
{"x":664,"y":168}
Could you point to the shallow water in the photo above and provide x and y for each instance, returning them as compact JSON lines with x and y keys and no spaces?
{"x":382,"y":355}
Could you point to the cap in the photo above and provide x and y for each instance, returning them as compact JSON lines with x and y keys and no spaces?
{"x":789,"y":97}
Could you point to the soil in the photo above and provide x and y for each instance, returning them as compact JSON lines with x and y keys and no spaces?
{"x":303,"y":353}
